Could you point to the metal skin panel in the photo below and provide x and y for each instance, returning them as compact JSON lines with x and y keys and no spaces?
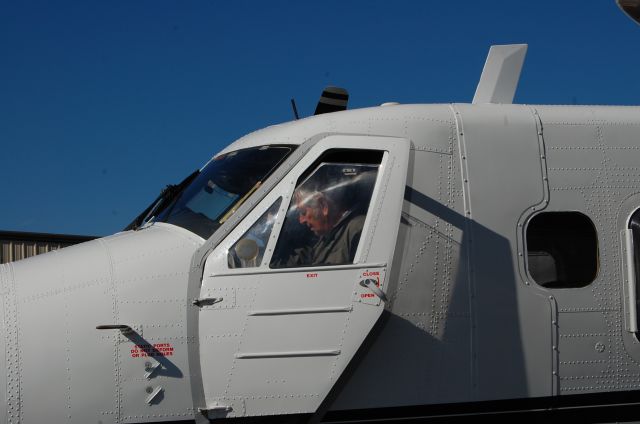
{"x":593,"y":158}
{"x":585,"y":349}
{"x":49,"y":289}
{"x":301,"y":326}
{"x":59,"y":298}
{"x":9,"y":387}
{"x":3,"y":353}
{"x":149,"y":279}
{"x":577,"y":148}
{"x":286,"y":379}
{"x":423,"y":346}
{"x":412,"y":122}
{"x":512,"y":324}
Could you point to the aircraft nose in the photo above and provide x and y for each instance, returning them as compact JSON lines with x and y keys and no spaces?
{"x":59,"y":367}
{"x":46,"y":328}
{"x":51,"y":306}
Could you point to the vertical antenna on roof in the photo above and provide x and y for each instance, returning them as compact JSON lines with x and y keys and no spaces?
{"x":295,"y":109}
{"x":500,"y":74}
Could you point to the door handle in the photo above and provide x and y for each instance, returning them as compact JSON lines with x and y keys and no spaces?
{"x":207,"y":301}
{"x":125,"y":329}
{"x":372,"y":285}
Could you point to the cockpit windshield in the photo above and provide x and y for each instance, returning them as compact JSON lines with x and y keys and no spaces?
{"x":221,"y":187}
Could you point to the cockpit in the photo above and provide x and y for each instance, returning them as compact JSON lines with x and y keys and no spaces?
{"x":207,"y":198}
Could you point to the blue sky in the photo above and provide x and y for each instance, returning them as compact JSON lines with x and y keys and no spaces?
{"x":104,"y":103}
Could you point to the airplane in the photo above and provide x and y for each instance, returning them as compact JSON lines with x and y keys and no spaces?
{"x":356,"y":266}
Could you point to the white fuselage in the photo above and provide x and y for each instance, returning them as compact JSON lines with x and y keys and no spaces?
{"x":460,"y":319}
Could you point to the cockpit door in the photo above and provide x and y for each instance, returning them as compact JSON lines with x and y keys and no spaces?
{"x":292,"y":291}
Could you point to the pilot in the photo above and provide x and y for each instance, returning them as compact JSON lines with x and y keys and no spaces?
{"x":334,"y":214}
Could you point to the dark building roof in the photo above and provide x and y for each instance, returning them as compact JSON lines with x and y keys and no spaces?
{"x":16,"y":245}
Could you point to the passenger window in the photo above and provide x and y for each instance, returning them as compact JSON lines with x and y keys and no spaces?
{"x":249,"y":250}
{"x":562,"y":249}
{"x":327,"y":212}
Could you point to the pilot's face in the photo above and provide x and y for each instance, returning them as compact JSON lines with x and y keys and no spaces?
{"x":313,"y":211}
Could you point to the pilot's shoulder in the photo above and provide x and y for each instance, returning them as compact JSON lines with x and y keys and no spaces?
{"x":355,"y":224}
{"x":358,"y":220}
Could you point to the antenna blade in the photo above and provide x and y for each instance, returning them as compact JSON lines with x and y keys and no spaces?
{"x":500,"y":74}
{"x":333,"y":99}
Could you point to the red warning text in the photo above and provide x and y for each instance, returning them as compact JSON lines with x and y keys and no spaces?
{"x":158,"y":349}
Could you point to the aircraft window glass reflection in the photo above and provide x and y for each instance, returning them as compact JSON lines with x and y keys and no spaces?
{"x":324,"y":221}
{"x":249,"y":250}
{"x":562,"y":249}
{"x":222,"y":186}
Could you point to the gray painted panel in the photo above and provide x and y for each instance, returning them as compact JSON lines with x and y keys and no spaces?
{"x":4,"y":407}
{"x":50,"y":337}
{"x":598,"y":143}
{"x":65,"y":295}
{"x":426,"y":338}
{"x":89,"y":350}
{"x":504,"y":171}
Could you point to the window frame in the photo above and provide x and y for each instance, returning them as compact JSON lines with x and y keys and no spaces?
{"x":285,"y":189}
{"x":314,"y":169}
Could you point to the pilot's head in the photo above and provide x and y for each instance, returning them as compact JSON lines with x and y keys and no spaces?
{"x":317,"y":211}
{"x":332,"y":190}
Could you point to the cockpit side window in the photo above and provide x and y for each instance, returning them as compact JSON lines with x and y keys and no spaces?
{"x":327,"y":212}
{"x":248,"y":251}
